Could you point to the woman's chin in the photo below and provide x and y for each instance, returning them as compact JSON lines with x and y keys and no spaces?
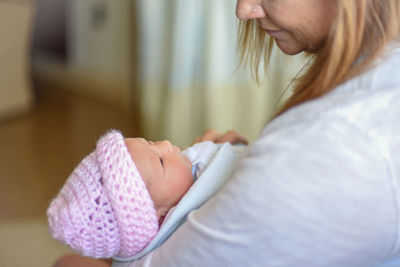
{"x":289,"y":48}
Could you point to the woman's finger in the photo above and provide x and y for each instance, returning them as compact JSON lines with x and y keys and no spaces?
{"x":232,"y":137}
{"x":208,"y":135}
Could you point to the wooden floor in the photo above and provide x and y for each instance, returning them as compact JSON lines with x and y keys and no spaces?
{"x":38,"y":151}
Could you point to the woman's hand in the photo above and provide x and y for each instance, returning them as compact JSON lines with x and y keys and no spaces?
{"x":230,"y":137}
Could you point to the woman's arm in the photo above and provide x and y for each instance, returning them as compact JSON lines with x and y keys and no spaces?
{"x":312,"y":195}
{"x":232,"y":137}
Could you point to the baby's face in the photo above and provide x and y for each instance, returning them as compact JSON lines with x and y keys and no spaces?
{"x":166,"y":172}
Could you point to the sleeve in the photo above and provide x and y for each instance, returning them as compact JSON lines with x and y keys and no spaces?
{"x":302,"y":196}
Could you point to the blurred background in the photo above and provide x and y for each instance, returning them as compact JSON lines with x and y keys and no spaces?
{"x":71,"y":69}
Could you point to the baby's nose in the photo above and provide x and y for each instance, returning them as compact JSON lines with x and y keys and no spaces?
{"x":165,"y":144}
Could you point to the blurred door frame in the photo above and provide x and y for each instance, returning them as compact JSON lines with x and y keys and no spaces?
{"x":15,"y":84}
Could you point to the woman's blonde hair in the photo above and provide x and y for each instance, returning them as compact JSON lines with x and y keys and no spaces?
{"x":360,"y":33}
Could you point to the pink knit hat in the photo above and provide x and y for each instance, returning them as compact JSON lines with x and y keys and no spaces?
{"x":104,"y":208}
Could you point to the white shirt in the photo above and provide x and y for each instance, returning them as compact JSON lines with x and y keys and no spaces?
{"x":319,"y":187}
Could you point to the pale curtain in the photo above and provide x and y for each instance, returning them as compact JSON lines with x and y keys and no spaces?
{"x":188,"y":76}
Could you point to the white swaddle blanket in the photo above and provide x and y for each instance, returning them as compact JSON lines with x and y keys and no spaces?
{"x":213,"y":177}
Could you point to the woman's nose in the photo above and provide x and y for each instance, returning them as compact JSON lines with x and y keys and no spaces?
{"x":249,"y":9}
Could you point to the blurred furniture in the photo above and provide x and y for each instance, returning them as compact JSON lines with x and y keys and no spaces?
{"x":15,"y":85}
{"x":98,"y":60}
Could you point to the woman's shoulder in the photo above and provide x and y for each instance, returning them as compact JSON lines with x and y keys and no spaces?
{"x":368,"y":101}
{"x":380,"y":83}
{"x":363,"y":121}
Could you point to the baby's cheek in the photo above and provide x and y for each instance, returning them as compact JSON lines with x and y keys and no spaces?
{"x":185,"y":183}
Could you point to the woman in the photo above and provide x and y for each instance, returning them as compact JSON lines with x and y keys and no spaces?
{"x":320,"y":186}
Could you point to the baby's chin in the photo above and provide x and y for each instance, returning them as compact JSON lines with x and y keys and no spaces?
{"x":187,"y":184}
{"x":188,"y":165}
{"x":187,"y":161}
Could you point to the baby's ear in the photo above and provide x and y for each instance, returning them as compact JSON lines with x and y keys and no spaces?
{"x":161,"y":219}
{"x":161,"y":212}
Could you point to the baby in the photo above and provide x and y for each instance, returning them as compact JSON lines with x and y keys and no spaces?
{"x":116,"y":198}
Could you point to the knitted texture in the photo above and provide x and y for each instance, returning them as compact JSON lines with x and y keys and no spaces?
{"x":104,"y":208}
